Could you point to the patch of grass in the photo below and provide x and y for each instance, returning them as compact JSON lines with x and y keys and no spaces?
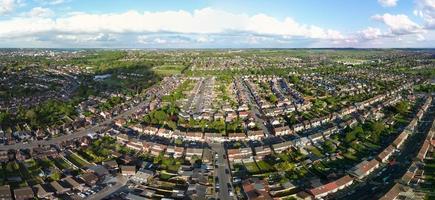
{"x":264,"y":166}
{"x":77,"y":160}
{"x":61,"y":164}
{"x":168,"y":70}
{"x":252,"y":168}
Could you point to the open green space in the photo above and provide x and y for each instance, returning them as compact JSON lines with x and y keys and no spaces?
{"x":168,"y":70}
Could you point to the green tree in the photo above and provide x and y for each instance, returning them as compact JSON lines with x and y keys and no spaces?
{"x":329,"y":146}
{"x":160,"y":116}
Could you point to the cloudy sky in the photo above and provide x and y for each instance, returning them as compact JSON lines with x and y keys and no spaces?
{"x":215,"y":24}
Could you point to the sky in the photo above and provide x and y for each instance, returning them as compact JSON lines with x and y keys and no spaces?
{"x":217,"y":24}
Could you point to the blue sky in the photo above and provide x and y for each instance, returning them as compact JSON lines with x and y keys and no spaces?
{"x":210,"y":24}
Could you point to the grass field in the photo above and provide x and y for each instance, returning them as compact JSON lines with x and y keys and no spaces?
{"x":77,"y":160}
{"x":252,"y":168}
{"x":61,"y":164}
{"x":168,"y":70}
{"x":264,"y":166}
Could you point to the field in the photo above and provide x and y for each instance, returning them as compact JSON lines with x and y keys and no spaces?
{"x":167,"y":70}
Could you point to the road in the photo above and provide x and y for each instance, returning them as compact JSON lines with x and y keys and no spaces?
{"x":223,"y":177}
{"x":379,"y":184}
{"x":108,"y":190}
{"x":78,"y":133}
{"x":256,"y":111}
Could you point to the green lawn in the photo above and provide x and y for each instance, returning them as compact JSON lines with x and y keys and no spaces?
{"x":168,"y":70}
{"x":252,"y":168}
{"x":78,"y":161}
{"x":61,"y":164}
{"x":264,"y":166}
{"x":164,"y":175}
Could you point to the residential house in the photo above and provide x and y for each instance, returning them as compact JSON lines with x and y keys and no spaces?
{"x":178,"y":152}
{"x":239,"y":154}
{"x":364,"y":168}
{"x":75,"y":185}
{"x":191,"y":152}
{"x":331,"y":187}
{"x":58,"y":187}
{"x":283,"y":146}
{"x":41,"y":192}
{"x":25,"y":193}
{"x":255,"y":135}
{"x":262,"y":151}
{"x":128,"y":170}
{"x":236,"y":136}
{"x":386,"y":154}
{"x":142,"y":176}
{"x":90,"y":179}
{"x":5,"y":192}
{"x":283,"y":130}
{"x":395,"y":192}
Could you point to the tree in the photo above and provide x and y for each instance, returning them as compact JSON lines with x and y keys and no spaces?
{"x":377,"y":127}
{"x":350,"y":136}
{"x":402,"y":107}
{"x":172,"y":124}
{"x":329,"y":146}
{"x":285,"y":166}
{"x":160,"y":116}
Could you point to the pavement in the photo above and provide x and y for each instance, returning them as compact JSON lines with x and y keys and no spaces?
{"x":224,"y":179}
{"x":108,"y":190}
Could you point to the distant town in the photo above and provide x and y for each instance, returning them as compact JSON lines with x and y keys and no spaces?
{"x":227,"y":124}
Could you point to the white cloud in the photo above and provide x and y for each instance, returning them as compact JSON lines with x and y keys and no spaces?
{"x":204,"y":39}
{"x":203,"y":21}
{"x":40,"y":12}
{"x":399,"y":24}
{"x":388,"y":3}
{"x":371,"y":33}
{"x":85,"y":38}
{"x":420,"y":37}
{"x":51,"y":2}
{"x":7,"y":6}
{"x":426,"y":10}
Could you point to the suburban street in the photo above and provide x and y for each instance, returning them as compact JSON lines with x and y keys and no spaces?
{"x":256,"y":112}
{"x":224,"y":179}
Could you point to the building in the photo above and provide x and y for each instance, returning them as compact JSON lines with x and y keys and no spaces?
{"x":128,"y":170}
{"x":331,"y":187}
{"x":58,"y":188}
{"x":90,"y":179}
{"x":142,"y":176}
{"x":41,"y":192}
{"x":239,"y":154}
{"x":262,"y":151}
{"x":400,"y":139}
{"x":25,"y":193}
{"x":191,"y":152}
{"x":283,"y":146}
{"x":283,"y":130}
{"x":256,"y":190}
{"x":74,"y":184}
{"x":5,"y":192}
{"x":386,"y":154}
{"x":394,"y":192}
{"x":364,"y":168}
